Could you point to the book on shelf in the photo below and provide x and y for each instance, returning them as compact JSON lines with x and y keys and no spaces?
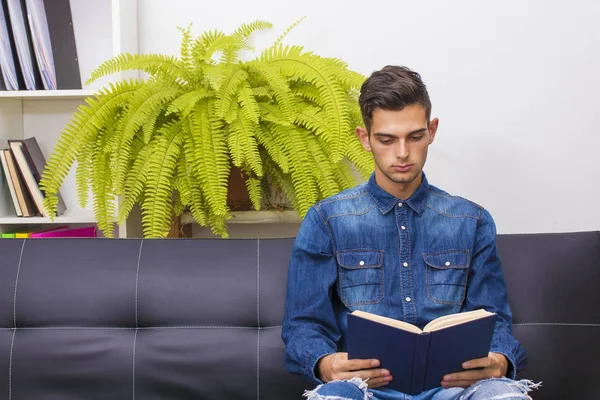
{"x":32,"y":162}
{"x":23,"y":42}
{"x":22,"y":201}
{"x":12,"y":76}
{"x":418,"y":359}
{"x":10,"y":184}
{"x":53,"y":37}
{"x":37,"y":46}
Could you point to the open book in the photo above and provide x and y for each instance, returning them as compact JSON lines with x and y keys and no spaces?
{"x":418,"y":359}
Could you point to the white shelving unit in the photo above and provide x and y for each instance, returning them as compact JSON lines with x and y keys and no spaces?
{"x":103,"y":29}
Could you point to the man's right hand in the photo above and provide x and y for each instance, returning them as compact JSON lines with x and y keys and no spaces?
{"x":337,"y":367}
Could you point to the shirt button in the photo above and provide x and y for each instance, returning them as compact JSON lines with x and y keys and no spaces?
{"x":405,"y":264}
{"x":407,"y":299}
{"x":447,"y":263}
{"x":399,"y":204}
{"x":361,"y":263}
{"x":403,"y":227}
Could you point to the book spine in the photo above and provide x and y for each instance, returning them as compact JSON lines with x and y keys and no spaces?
{"x":420,"y":362}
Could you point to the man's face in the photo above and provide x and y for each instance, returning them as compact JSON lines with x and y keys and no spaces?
{"x":399,"y":141}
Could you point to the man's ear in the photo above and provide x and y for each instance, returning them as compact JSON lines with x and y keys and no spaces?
{"x":363,"y":136}
{"x":433,"y":126}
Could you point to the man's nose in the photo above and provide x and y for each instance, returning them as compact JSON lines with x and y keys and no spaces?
{"x":402,"y":150}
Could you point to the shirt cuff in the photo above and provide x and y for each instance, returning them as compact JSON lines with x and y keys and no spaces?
{"x":511,"y":371}
{"x":313,"y":360}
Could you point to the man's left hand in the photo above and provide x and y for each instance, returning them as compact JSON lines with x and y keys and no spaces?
{"x":495,"y":365}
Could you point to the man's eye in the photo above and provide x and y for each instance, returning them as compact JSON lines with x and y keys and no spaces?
{"x":385,"y":141}
{"x":416,"y":137}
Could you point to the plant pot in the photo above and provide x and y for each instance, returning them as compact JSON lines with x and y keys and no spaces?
{"x":238,"y":198}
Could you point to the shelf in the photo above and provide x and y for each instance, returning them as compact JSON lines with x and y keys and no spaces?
{"x":254,"y":217}
{"x":46,"y":94}
{"x":74,"y":217}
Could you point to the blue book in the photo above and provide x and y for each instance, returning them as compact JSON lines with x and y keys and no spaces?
{"x":418,"y":359}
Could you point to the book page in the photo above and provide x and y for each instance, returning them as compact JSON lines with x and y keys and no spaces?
{"x":387,"y":321}
{"x":455,"y":319}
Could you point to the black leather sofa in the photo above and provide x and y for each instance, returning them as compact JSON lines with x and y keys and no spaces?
{"x":200,"y":319}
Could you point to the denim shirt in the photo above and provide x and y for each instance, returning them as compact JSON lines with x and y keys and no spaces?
{"x":414,"y":260}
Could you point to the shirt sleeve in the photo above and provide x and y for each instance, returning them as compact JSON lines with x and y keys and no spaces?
{"x":310,"y":328}
{"x":486,"y":289}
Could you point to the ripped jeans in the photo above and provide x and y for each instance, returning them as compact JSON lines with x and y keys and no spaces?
{"x":488,"y":389}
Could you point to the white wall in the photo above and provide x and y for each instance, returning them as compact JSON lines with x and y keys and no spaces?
{"x":515,"y":85}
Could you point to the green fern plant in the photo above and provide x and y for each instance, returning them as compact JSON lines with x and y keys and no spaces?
{"x":167,"y":143}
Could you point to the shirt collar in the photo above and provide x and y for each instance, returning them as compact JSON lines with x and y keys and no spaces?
{"x":385,"y":201}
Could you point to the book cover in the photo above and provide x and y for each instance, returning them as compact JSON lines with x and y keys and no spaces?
{"x":26,"y":204}
{"x":9,"y":59}
{"x":86,"y":232}
{"x":418,"y":361}
{"x":53,"y":36}
{"x":44,"y":231}
{"x":10,"y":184}
{"x":31,"y":163}
{"x":17,"y":12}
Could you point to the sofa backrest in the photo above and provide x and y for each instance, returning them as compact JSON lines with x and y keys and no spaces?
{"x":146,"y":319}
{"x":553,"y":285}
{"x":201,"y":319}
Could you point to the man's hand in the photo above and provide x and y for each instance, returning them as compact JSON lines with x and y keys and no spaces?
{"x":337,"y":366}
{"x":495,"y":365}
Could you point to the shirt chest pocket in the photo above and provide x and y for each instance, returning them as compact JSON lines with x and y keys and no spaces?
{"x":361,"y":279}
{"x":447,"y":273}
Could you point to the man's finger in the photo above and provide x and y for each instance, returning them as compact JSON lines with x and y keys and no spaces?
{"x":364,"y":374}
{"x":377,"y":382}
{"x":358,"y":364}
{"x":473,"y":375}
{"x":478,"y":363}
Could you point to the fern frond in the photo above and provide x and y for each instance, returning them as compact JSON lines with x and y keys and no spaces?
{"x":218,"y":225}
{"x":83,"y":129}
{"x":281,"y":91}
{"x":261,"y":91}
{"x":295,"y":148}
{"x":149,"y":124}
{"x":142,"y":105}
{"x":212,"y":160}
{"x":322,"y":168}
{"x":309,"y":93}
{"x":273,"y":146}
{"x":158,"y":206}
{"x":186,"y":46}
{"x":154,"y":64}
{"x":191,"y":193}
{"x":359,"y":156}
{"x":255,"y":192}
{"x":312,"y":119}
{"x":228,"y":88}
{"x":272,"y":113}
{"x":343,"y":175}
{"x":282,"y":181}
{"x":213,"y":75}
{"x":135,"y":181}
{"x":243,"y":146}
{"x":186,"y":102}
{"x":245,"y":30}
{"x":288,"y":30}
{"x":103,"y":198}
{"x":248,"y":104}
{"x":83,"y":174}
{"x":310,"y":68}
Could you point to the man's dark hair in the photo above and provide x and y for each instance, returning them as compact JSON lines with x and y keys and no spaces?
{"x":392,"y":88}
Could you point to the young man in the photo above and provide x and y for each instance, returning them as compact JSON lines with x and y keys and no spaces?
{"x":398,"y":247}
